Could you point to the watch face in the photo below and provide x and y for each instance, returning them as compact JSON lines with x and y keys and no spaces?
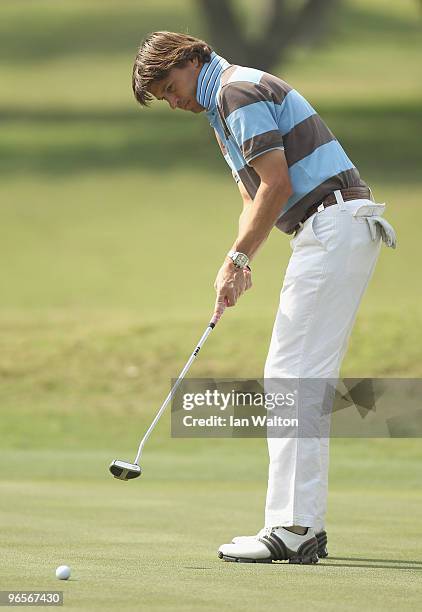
{"x":241,"y":260}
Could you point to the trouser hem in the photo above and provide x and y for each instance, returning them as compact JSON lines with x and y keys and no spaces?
{"x":283,"y":520}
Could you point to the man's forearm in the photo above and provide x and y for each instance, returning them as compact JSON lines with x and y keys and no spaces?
{"x":258,"y":218}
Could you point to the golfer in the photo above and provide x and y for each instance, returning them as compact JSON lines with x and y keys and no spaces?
{"x":292,"y":174}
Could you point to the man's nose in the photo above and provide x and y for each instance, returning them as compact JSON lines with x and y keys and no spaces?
{"x":173,"y":101}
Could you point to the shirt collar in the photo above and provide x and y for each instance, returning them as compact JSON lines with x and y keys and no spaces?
{"x":209,"y":81}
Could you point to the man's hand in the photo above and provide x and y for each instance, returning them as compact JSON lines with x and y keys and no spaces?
{"x":230,"y":283}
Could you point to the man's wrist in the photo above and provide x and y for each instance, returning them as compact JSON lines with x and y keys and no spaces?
{"x":240,"y":260}
{"x":230,"y":265}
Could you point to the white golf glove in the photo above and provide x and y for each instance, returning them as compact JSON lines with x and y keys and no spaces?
{"x":388,"y":234}
{"x":372,"y":214}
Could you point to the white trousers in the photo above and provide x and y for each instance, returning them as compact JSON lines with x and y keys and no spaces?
{"x":334,"y":256}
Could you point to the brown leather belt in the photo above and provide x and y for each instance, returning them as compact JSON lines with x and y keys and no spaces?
{"x":351,"y":193}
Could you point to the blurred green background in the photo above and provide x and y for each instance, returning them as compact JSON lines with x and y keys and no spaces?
{"x":103,"y":205}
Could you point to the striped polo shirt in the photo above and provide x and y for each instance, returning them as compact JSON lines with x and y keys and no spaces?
{"x":253,"y":112}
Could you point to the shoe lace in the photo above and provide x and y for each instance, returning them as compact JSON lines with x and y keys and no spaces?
{"x":265,"y":531}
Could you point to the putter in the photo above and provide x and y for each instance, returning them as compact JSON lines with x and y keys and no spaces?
{"x":127,"y":471}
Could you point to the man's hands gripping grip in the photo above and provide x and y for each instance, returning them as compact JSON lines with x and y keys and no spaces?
{"x":230,"y":284}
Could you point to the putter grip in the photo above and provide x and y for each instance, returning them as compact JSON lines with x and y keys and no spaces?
{"x":216,"y":319}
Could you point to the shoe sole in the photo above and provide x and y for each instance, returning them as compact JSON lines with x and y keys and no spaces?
{"x":294,"y":560}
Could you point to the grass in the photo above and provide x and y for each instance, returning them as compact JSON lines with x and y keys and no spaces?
{"x":151,"y":544}
{"x":102,"y":301}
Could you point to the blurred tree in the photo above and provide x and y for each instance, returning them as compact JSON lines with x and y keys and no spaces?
{"x":283,"y":27}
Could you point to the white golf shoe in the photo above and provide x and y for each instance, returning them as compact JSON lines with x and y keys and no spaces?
{"x":321,"y":537}
{"x":272,"y":544}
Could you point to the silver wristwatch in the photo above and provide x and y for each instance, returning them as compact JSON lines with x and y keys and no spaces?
{"x":240,"y":260}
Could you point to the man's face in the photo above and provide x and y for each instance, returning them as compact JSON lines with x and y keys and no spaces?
{"x":179,"y":87}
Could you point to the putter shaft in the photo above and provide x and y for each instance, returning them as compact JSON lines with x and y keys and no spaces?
{"x":182,"y":374}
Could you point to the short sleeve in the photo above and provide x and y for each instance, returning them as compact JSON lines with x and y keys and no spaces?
{"x":251,"y":118}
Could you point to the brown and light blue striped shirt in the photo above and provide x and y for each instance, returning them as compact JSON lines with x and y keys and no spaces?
{"x":253,"y":112}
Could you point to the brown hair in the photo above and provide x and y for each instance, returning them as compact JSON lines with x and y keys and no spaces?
{"x":158,"y":54}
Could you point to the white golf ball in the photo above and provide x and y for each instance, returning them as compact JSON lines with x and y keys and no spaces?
{"x":63,"y":572}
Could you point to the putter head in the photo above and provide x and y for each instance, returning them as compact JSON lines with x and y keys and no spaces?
{"x":124,"y":470}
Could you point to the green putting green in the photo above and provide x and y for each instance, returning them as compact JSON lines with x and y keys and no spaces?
{"x":151,"y":544}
